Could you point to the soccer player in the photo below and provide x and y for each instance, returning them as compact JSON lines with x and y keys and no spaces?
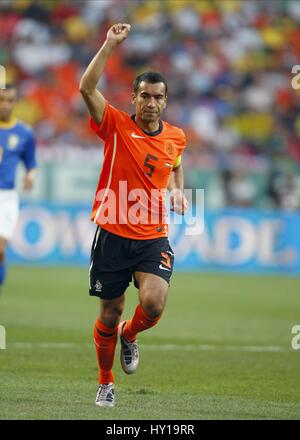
{"x":140,"y":153}
{"x":17,"y":143}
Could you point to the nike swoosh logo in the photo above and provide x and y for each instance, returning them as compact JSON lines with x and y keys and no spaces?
{"x":170,"y":253}
{"x":164,"y":268}
{"x":137,"y":136}
{"x":168,"y":165}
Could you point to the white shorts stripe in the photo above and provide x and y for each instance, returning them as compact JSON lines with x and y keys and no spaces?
{"x":109,"y":178}
{"x":94,"y":247}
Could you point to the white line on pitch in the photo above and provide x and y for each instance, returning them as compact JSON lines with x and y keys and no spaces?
{"x":161,"y":347}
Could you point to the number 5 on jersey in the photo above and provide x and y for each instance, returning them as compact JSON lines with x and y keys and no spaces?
{"x":149,"y":164}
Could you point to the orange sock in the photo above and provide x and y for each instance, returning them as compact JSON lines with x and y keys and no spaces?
{"x":105,"y":339}
{"x":140,"y":322}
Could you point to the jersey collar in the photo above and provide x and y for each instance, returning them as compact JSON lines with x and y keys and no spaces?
{"x":151,"y":133}
{"x":8,"y":124}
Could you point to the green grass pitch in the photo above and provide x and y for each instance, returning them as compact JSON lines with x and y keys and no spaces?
{"x":221,"y":351}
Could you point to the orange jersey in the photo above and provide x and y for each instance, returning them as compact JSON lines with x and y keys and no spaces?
{"x":129,"y":199}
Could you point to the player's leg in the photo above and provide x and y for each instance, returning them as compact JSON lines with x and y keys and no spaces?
{"x":152,"y":276}
{"x":153,"y":291}
{"x":105,"y":339}
{"x":3,"y":244}
{"x":109,"y":284}
{"x":105,"y":336}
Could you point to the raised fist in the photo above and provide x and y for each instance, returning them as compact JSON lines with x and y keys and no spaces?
{"x":118,"y":33}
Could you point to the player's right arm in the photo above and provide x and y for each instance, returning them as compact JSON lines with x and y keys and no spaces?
{"x":94,"y":100}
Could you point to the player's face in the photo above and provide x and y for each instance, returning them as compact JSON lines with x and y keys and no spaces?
{"x":7,"y":103}
{"x":150,"y":101}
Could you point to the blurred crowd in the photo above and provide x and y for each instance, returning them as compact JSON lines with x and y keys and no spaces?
{"x":227,"y":62}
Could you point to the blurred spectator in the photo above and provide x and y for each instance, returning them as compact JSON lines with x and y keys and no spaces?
{"x":240,"y":189}
{"x":285,"y":191}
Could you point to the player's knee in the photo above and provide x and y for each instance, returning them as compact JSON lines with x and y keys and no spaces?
{"x":153,"y":302}
{"x":153,"y":309}
{"x":111,"y":313}
{"x":109,"y":319}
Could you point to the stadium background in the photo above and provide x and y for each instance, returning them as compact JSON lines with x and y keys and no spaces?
{"x":228,"y":65}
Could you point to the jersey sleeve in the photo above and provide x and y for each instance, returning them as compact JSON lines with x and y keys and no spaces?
{"x":28,"y":154}
{"x":109,"y":122}
{"x":180,"y":149}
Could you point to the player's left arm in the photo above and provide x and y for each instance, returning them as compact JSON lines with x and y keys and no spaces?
{"x":29,"y":179}
{"x":29,"y":160}
{"x":178,"y":200}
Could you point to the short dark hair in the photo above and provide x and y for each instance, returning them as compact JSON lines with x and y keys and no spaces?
{"x":149,"y":77}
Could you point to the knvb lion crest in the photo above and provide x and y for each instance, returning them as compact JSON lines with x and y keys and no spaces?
{"x":98,"y":286}
{"x":169,"y":148}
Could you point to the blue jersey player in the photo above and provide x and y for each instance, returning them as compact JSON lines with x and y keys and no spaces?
{"x":17,"y":144}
